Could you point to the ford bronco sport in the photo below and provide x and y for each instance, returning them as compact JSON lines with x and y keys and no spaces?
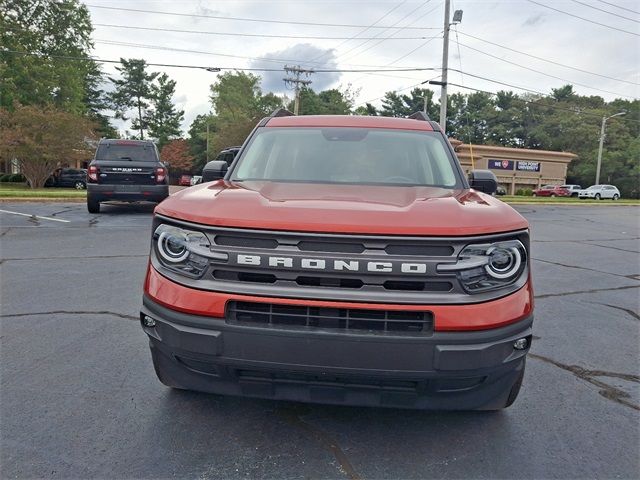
{"x":346,"y":260}
{"x":126,"y":170}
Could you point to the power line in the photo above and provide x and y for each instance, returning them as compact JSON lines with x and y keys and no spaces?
{"x":381,"y":32}
{"x":392,"y":36}
{"x":585,"y":19}
{"x":210,"y":68}
{"x":238,"y":34}
{"x":542,"y":73}
{"x":242,"y":19}
{"x":618,"y":6}
{"x":605,"y":11}
{"x":389,"y":12}
{"x":546,"y":59}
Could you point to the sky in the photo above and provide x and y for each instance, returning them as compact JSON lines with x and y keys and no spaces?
{"x":598,"y":53}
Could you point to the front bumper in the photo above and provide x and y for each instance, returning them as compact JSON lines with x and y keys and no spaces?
{"x":447,"y":370}
{"x":127,"y":193}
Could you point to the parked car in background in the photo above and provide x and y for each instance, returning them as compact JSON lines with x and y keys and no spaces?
{"x":551,"y":191}
{"x":128,"y":171}
{"x":185,"y":181}
{"x":68,"y":177}
{"x":600,"y":191}
{"x":228,"y":154}
{"x":501,"y":190}
{"x":573,"y":189}
{"x":196,"y":179}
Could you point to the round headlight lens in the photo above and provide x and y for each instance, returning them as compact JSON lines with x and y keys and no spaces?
{"x":172,"y":246}
{"x":504,"y":262}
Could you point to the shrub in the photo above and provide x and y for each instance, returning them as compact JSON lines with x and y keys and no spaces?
{"x":12,"y":177}
{"x":519,"y":192}
{"x":527,"y":192}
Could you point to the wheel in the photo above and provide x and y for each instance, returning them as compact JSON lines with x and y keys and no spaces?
{"x":574,"y":194}
{"x":597,"y":196}
{"x":553,"y":195}
{"x":80,"y":185}
{"x":615,"y":197}
{"x":534,"y":194}
{"x":93,"y":205}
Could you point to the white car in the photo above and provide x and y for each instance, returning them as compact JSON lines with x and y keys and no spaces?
{"x":573,"y":189}
{"x":196,"y":179}
{"x":600,"y":191}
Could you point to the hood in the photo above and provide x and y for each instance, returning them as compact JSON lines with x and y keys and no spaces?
{"x":308,"y":207}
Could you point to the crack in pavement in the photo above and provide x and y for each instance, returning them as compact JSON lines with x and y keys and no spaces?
{"x":72,"y":258}
{"x":292,"y":417}
{"x":72,"y":312}
{"x":607,"y":391}
{"x":626,"y":310}
{"x":8,"y":229}
{"x":612,"y":248}
{"x":558,"y":264}
{"x":62,"y":211}
{"x":595,"y":290}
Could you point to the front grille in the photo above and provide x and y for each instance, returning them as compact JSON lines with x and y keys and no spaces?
{"x":389,"y":269}
{"x":352,"y":320}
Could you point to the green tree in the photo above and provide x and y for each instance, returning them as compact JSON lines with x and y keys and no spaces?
{"x":34,"y":34}
{"x":40,"y":138}
{"x":133,"y":91}
{"x":164,"y":120}
{"x":198,"y":139}
{"x":238,"y":103}
{"x":396,"y":105}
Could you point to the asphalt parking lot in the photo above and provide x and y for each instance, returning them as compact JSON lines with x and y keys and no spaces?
{"x":79,"y":397}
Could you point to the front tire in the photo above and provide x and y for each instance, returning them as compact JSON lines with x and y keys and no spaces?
{"x":597,"y":196}
{"x":534,"y":194}
{"x":553,"y":195}
{"x":615,"y":197}
{"x":93,"y":206}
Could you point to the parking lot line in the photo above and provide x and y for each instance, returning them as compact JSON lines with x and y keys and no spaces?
{"x":35,"y":216}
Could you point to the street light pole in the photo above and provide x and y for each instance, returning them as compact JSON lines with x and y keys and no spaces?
{"x":602,"y":128}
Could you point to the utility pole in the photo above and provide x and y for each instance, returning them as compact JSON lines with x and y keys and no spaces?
{"x":457,"y":18}
{"x":602,"y":128}
{"x":207,"y":141}
{"x":445,"y":66}
{"x":296,"y":81}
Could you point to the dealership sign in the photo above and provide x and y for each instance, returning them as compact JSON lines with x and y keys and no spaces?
{"x":501,"y":164}
{"x":528,"y":166}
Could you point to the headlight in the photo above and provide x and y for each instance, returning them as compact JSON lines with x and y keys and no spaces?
{"x":489,"y":266}
{"x":185,"y":251}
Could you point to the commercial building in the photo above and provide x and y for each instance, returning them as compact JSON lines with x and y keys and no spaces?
{"x":516,"y":168}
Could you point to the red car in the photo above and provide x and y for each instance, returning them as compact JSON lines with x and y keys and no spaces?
{"x":345,"y":260}
{"x":552,"y":191}
{"x":185,"y":181}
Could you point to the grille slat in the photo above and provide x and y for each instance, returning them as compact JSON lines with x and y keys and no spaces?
{"x":344,"y":320}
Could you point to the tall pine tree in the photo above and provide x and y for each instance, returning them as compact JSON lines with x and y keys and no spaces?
{"x":164,"y":119}
{"x":133,"y":91}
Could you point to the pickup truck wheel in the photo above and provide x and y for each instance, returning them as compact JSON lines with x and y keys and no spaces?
{"x":93,"y":205}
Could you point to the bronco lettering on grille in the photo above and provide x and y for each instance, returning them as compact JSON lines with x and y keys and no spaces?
{"x":334,"y":265}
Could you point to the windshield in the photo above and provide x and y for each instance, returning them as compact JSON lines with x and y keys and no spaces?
{"x":348,"y":155}
{"x":594,"y":187}
{"x":137,"y":153}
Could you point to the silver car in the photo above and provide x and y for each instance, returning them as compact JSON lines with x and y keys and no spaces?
{"x":573,"y":189}
{"x":599,"y":192}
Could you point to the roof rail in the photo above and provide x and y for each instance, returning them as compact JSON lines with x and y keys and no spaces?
{"x":282,"y":112}
{"x":422,"y":116}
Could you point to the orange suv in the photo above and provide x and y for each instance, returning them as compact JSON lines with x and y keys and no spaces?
{"x":345,"y":260}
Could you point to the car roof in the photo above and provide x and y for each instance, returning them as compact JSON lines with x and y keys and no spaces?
{"x":349,"y":121}
{"x":120,"y":141}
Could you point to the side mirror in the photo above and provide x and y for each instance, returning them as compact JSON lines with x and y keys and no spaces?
{"x":483,"y":181}
{"x":214,"y":170}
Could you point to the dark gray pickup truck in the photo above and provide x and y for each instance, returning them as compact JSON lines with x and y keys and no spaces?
{"x":126,"y":170}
